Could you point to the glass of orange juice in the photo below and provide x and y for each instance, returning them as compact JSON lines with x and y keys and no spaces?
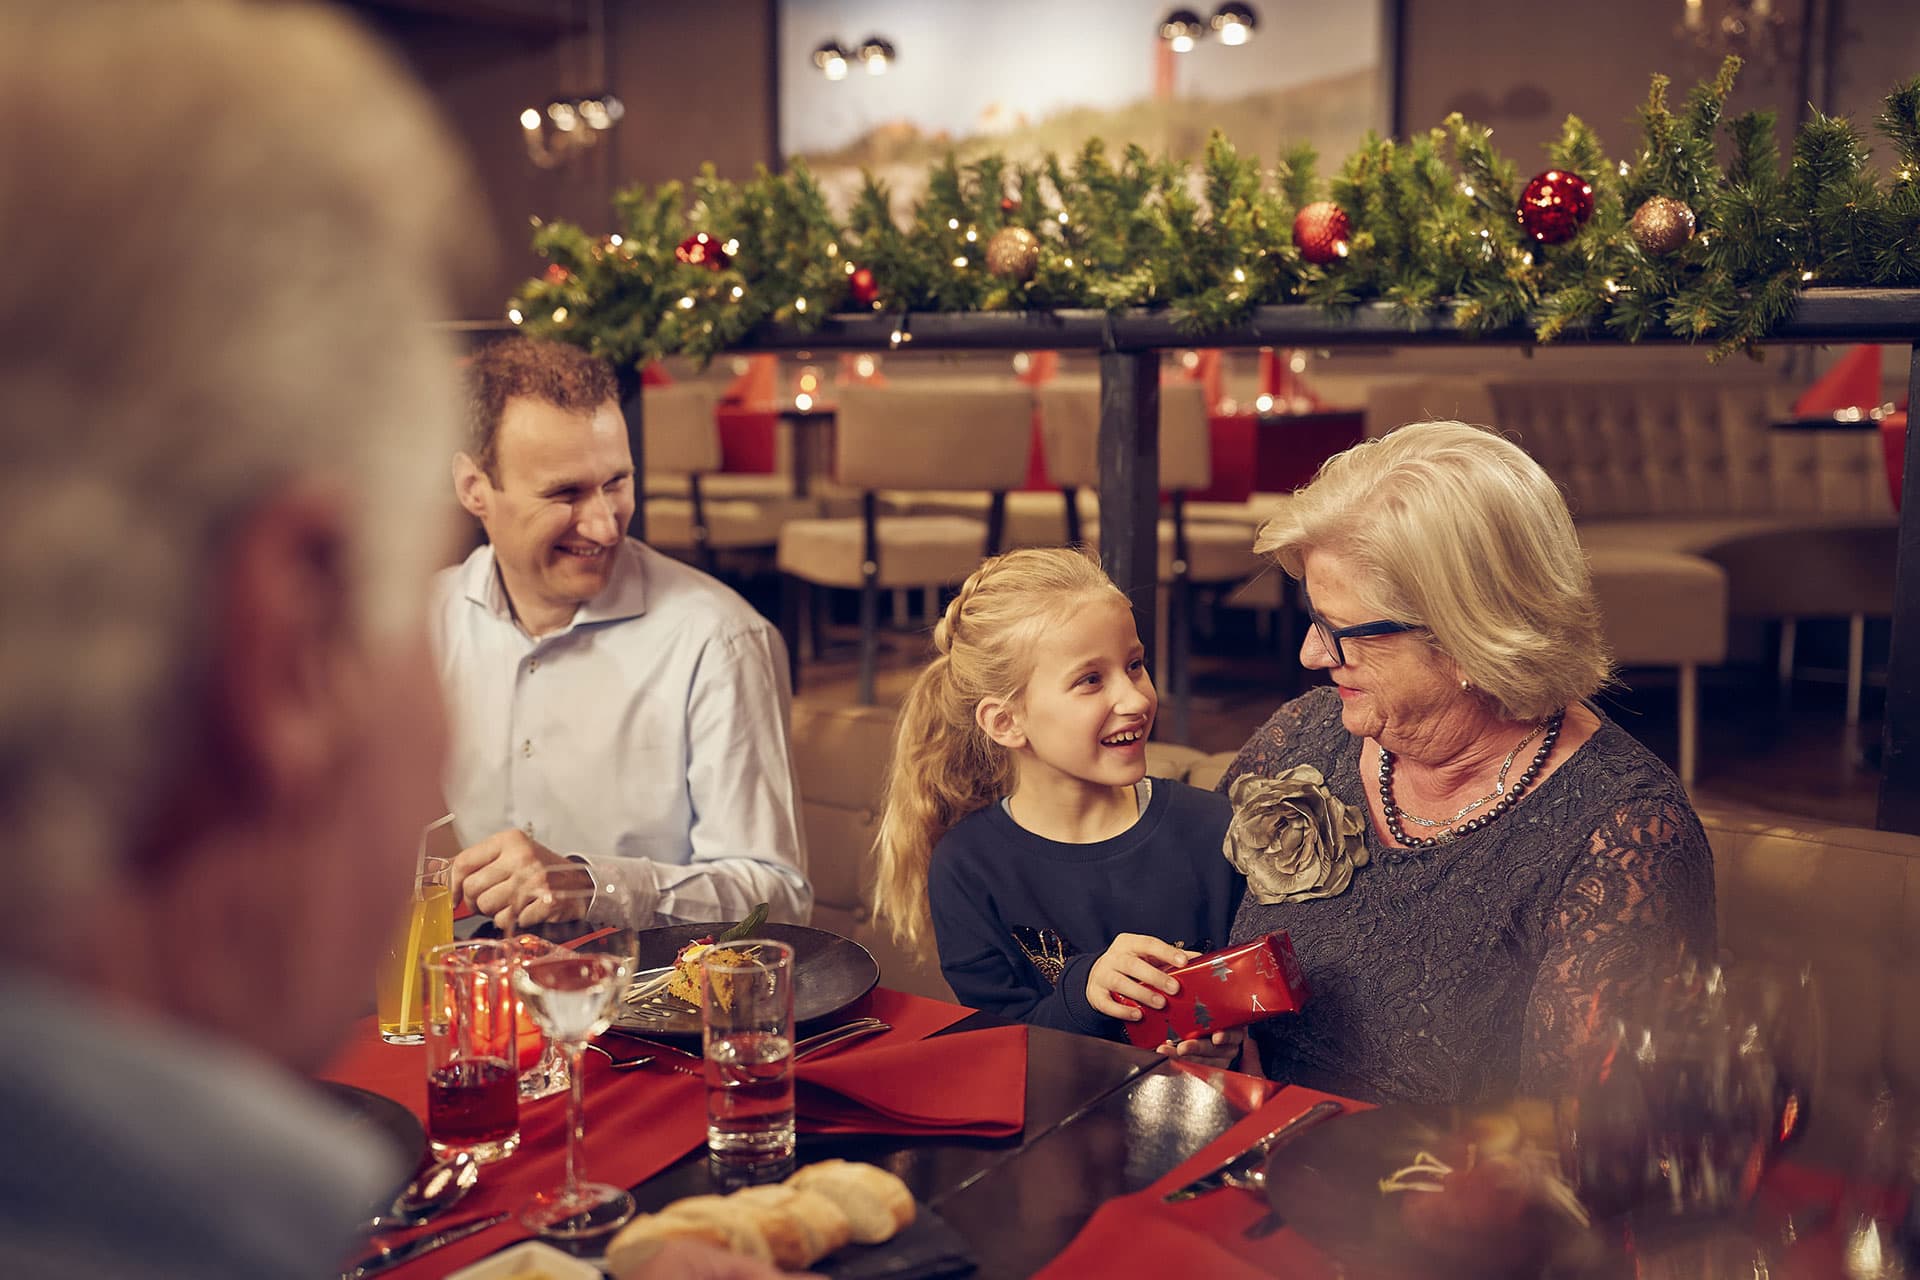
{"x":428,"y":923}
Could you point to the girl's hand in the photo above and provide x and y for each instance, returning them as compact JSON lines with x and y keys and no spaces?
{"x":1135,"y":967}
{"x":1222,"y":1049}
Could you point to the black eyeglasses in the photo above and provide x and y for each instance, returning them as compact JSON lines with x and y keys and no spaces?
{"x":1331,"y":636}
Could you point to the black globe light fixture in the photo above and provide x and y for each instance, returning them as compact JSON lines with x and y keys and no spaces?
{"x":876,"y":53}
{"x":1234,"y":22}
{"x":1182,"y":29}
{"x":832,"y":60}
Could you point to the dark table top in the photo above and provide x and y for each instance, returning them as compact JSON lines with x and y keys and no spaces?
{"x":1103,"y":1119}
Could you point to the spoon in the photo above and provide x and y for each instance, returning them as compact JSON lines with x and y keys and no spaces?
{"x":440,"y":1185}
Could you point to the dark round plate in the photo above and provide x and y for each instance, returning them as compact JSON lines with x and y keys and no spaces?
{"x":387,"y":1121}
{"x":1326,"y":1185}
{"x":829,"y":973}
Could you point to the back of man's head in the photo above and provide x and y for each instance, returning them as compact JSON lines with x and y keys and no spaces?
{"x":230,"y":226}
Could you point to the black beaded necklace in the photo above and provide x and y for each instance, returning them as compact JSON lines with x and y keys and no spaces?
{"x":1506,"y":802}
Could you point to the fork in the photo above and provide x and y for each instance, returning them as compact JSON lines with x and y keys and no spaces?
{"x":689,"y":1064}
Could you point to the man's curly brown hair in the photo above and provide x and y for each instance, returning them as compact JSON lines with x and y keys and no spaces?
{"x":552,"y":372}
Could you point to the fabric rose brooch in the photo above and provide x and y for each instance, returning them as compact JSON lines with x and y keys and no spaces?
{"x":1292,"y":838}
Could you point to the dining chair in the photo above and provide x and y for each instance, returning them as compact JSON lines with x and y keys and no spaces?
{"x":950,"y":438}
{"x":683,"y":458}
{"x":1190,"y":554}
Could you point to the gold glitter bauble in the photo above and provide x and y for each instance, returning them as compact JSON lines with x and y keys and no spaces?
{"x":1013,"y":253}
{"x":1661,"y":225}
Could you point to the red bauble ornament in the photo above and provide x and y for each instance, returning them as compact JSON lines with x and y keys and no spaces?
{"x":1555,"y":205}
{"x":1321,"y":231}
{"x":702,"y":250}
{"x":557,"y":274}
{"x":862,"y":287}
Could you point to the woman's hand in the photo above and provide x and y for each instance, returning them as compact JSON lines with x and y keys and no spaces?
{"x":1222,"y":1049}
{"x":1135,"y":967}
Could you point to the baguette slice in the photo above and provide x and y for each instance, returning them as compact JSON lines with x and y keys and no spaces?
{"x":877,"y":1204}
{"x":637,"y":1242}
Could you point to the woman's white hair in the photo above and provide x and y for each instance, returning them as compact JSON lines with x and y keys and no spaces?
{"x":1457,"y":530}
{"x":231,"y":226}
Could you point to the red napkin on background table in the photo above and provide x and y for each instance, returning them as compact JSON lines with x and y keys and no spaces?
{"x":972,"y":1084}
{"x":1141,"y":1234}
{"x":1852,"y":383}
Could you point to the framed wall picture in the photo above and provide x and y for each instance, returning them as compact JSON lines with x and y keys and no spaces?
{"x":892,"y":87}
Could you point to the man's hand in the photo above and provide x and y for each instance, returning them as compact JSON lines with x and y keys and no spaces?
{"x":1135,"y":967}
{"x":501,"y":875}
{"x":1222,"y":1049}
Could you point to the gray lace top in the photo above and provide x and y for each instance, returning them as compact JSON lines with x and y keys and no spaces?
{"x":1475,"y":969}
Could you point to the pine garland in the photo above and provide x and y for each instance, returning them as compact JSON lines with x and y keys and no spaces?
{"x":1433,"y":234}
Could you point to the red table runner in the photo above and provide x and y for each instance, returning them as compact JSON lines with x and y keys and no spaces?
{"x":638,"y":1122}
{"x":1141,"y":1235}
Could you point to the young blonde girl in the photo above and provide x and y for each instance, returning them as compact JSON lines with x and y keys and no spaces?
{"x":1021,"y":834}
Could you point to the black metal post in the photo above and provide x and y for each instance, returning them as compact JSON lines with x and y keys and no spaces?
{"x":1900,"y":756}
{"x":1130,"y":481}
{"x":633,"y":406}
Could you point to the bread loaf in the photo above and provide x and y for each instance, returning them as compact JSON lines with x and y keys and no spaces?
{"x":819,"y":1219}
{"x":639,"y":1240}
{"x":877,"y":1204}
{"x":743,"y":1235}
{"x":792,"y":1225}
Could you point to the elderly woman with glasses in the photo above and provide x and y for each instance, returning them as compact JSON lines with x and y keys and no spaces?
{"x":1476,"y":866}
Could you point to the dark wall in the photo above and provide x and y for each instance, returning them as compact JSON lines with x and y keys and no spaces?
{"x":698,"y":85}
{"x":694,"y":77}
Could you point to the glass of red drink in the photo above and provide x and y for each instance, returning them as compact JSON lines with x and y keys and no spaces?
{"x":473,"y":1073}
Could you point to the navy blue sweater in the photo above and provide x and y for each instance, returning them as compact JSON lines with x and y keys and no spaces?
{"x":1020,"y":919}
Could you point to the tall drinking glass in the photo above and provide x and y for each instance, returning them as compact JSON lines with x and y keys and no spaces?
{"x":427,"y":924}
{"x":747,"y":1032}
{"x":473,"y":1080}
{"x":572,"y":991}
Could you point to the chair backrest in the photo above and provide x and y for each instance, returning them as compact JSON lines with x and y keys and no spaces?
{"x":949,"y":437}
{"x":682,"y":433}
{"x":1070,"y":424}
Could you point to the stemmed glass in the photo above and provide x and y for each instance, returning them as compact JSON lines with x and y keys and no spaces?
{"x":572,"y":992}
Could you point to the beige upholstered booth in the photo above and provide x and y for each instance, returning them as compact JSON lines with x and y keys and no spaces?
{"x":948,"y":438}
{"x":1801,"y":521}
{"x":683,"y":513}
{"x":1190,"y":554}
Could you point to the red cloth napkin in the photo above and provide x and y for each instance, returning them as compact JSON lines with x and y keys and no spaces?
{"x":1853,"y":383}
{"x":638,"y":1122}
{"x":973,"y":1084}
{"x":1141,"y":1234}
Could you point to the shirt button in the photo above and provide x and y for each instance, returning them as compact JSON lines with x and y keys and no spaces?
{"x":528,"y":828}
{"x":533,"y":664}
{"x":526,"y":748}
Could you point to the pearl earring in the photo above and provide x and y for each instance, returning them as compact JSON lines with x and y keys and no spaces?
{"x":1465,"y":686}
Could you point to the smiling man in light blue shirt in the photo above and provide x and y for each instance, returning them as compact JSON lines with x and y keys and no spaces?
{"x":610,"y":705}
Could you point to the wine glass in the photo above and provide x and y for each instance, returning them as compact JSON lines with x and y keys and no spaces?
{"x":572,"y":991}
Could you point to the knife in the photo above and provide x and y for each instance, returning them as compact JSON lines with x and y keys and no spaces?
{"x":1216,"y":1178}
{"x":390,"y":1256}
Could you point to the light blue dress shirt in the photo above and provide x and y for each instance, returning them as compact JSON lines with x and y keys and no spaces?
{"x":649,"y":737}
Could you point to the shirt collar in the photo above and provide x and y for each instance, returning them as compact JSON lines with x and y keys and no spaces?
{"x":625,"y":595}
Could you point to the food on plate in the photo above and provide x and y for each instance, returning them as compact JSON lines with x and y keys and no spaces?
{"x":685,"y":981}
{"x":876,"y":1203}
{"x":792,"y":1225}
